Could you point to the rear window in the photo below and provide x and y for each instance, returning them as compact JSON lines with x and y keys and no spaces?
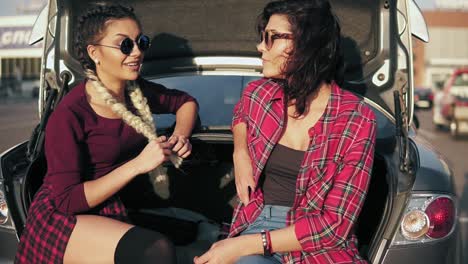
{"x":216,"y":96}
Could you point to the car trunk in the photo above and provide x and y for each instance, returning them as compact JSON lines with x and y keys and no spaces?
{"x":205,"y":189}
{"x":201,"y":201}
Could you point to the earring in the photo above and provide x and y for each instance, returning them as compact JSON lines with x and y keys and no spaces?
{"x":97,"y":62}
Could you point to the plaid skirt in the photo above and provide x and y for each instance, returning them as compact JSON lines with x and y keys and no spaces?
{"x":47,"y":231}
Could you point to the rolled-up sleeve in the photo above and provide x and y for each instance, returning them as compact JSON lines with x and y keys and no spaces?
{"x":239,"y":113}
{"x":344,"y":201}
{"x":62,"y":149}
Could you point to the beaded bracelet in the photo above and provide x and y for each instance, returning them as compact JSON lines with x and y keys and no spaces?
{"x":266,"y":242}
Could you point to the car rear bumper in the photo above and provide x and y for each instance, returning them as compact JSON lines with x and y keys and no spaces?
{"x":441,"y":252}
{"x":9,"y":245}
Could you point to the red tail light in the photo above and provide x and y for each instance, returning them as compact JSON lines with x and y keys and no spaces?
{"x":441,"y":213}
{"x":460,"y":103}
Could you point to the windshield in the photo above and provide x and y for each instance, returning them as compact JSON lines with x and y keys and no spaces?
{"x":216,"y":96}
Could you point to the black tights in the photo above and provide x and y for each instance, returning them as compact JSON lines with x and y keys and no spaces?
{"x":140,"y":245}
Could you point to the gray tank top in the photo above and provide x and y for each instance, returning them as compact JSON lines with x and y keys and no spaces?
{"x":280,"y":175}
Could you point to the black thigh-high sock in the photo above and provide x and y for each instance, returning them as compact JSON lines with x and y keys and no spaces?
{"x":140,"y":245}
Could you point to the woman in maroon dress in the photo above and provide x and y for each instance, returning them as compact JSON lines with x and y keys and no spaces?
{"x":99,"y":138}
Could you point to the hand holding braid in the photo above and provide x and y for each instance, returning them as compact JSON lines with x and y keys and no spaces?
{"x":141,"y":104}
{"x":143,"y":123}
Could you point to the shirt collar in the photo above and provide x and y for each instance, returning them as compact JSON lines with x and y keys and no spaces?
{"x":277,"y":92}
{"x":331,"y":112}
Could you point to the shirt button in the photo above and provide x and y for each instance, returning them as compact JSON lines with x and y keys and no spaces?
{"x":302,"y":191}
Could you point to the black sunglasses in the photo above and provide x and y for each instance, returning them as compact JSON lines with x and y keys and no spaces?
{"x":126,"y":46}
{"x":270,"y":37}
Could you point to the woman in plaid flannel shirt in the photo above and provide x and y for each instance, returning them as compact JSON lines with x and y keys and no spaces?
{"x":303,"y":147}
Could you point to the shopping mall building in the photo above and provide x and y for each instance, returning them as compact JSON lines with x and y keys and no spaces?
{"x":19,"y":62}
{"x":448,"y":43}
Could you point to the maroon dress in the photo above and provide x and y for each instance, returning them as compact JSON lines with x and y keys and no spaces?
{"x":79,"y":146}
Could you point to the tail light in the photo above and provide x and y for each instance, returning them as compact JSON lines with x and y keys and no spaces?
{"x":5,"y":219}
{"x":3,"y":209}
{"x":427,"y":218}
{"x":461,"y":103}
{"x":441,"y":214}
{"x":415,"y":224}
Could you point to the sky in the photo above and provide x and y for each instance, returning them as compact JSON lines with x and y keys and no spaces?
{"x":8,"y":7}
{"x":423,"y":4}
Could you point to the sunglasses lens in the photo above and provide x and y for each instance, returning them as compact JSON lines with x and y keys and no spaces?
{"x":267,"y":38}
{"x":126,"y":46}
{"x":143,"y":42}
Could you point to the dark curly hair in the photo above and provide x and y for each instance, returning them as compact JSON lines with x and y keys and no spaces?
{"x":92,"y":23}
{"x":316,"y":56}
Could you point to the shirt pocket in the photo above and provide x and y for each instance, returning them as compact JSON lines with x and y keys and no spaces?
{"x":251,"y":209}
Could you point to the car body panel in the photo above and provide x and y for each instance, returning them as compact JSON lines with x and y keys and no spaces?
{"x":444,"y":251}
{"x":9,"y":246}
{"x":433,"y":172}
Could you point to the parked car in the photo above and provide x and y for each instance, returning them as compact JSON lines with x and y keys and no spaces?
{"x":423,"y":97}
{"x":207,"y":48}
{"x":452,"y":104}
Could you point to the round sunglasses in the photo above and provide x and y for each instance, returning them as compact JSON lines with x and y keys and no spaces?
{"x":126,"y":46}
{"x":270,"y":37}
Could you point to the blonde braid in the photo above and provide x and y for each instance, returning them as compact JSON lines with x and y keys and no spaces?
{"x":141,"y":104}
{"x":143,"y":124}
{"x":119,"y":108}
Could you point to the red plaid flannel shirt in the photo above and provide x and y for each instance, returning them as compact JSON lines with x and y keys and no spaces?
{"x":334,"y":174}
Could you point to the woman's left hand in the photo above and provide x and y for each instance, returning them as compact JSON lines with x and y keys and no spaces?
{"x":225,"y":251}
{"x":180,"y":145}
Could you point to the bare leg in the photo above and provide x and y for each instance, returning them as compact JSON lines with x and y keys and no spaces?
{"x":94,"y":239}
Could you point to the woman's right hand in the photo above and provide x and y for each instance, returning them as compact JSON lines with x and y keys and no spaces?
{"x":243,"y":174}
{"x":156,"y":152}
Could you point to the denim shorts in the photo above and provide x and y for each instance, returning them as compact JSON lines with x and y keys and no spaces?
{"x":272,"y":217}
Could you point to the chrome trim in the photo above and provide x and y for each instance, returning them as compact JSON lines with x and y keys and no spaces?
{"x":380,"y":108}
{"x":378,"y":256}
{"x":216,"y":60}
{"x":215,"y":71}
